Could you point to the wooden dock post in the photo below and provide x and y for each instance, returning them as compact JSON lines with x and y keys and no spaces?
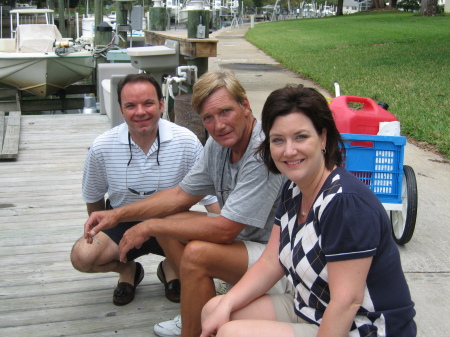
{"x":158,"y":18}
{"x":9,"y":139}
{"x":198,"y":18}
{"x":62,"y":18}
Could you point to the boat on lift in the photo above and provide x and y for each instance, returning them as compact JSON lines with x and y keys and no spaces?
{"x":37,"y":58}
{"x":192,"y":5}
{"x":174,"y":7}
{"x":222,"y":8}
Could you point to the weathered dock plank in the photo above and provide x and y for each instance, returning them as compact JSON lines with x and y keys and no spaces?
{"x":2,"y":128}
{"x":10,"y":148}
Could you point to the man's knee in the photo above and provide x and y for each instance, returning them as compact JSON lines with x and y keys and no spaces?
{"x":197,"y":253}
{"x":226,"y":262}
{"x":197,"y":259}
{"x":77,"y":256}
{"x":84,"y":256}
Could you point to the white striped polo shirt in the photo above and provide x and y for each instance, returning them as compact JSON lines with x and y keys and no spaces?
{"x":106,"y":171}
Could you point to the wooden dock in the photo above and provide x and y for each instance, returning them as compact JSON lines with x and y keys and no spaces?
{"x":9,"y":134}
{"x":42,"y":214}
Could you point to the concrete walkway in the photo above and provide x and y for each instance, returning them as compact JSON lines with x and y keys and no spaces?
{"x":425,"y":257}
{"x":259,"y":73}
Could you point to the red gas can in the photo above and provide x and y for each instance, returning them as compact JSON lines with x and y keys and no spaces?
{"x":363,"y":121}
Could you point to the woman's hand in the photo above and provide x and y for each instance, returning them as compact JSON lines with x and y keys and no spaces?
{"x":215,"y":319}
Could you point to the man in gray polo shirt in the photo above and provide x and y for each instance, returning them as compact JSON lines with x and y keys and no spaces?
{"x":198,"y":247}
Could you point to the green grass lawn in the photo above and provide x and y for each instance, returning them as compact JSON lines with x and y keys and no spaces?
{"x":396,"y":57}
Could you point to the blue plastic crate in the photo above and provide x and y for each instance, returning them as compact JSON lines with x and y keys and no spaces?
{"x":378,"y":162}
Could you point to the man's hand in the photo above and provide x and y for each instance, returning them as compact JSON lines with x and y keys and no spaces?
{"x":97,"y":222}
{"x":133,"y":238}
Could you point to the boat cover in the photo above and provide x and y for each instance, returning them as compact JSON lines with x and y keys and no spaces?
{"x":37,"y":38}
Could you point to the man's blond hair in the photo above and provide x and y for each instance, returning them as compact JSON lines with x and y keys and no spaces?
{"x":212,"y":81}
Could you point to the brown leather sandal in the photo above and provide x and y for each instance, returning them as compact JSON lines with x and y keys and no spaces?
{"x":172,"y":288}
{"x":124,"y":292}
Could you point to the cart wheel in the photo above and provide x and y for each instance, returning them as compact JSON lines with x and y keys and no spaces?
{"x":404,"y":221}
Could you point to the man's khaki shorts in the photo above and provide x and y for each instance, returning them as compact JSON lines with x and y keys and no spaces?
{"x":254,"y":250}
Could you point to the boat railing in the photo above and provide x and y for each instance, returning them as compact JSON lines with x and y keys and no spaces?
{"x":193,"y":4}
{"x":30,"y":16}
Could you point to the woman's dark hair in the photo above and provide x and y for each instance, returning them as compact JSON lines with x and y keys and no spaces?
{"x":134,"y":78}
{"x":310,"y":102}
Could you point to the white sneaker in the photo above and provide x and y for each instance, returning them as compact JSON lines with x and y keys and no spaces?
{"x":168,"y":328}
{"x":221,"y":287}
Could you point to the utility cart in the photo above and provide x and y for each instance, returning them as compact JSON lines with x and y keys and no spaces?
{"x":377,"y":160}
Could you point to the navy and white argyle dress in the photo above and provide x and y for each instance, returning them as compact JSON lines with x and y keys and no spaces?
{"x":346,"y":222}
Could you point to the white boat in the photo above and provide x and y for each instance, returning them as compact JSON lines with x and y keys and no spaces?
{"x":37,"y":58}
{"x":328,"y":10}
{"x":88,"y":24}
{"x":174,"y":6}
{"x":30,"y":5}
{"x":191,"y":6}
{"x":225,"y":7}
{"x":309,"y":10}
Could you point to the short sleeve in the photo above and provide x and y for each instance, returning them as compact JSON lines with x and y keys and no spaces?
{"x":349,"y":228}
{"x":199,"y":179}
{"x":94,"y":184}
{"x":208,"y":200}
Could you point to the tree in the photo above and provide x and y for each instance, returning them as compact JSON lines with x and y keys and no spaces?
{"x":409,"y":5}
{"x":393,"y":3}
{"x":429,"y":7}
{"x":258,"y":3}
{"x":340,"y":8}
{"x":378,"y":4}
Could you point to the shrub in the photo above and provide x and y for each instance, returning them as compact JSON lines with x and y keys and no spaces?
{"x":409,"y":5}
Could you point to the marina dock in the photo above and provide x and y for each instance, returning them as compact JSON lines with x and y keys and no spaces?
{"x":42,"y":214}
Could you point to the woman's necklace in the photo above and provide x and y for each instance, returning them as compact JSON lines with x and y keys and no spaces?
{"x":305,"y":210}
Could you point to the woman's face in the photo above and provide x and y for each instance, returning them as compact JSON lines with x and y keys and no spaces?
{"x":296,"y":147}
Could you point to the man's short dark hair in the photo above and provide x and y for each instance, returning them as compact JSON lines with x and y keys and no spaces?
{"x":134,"y":78}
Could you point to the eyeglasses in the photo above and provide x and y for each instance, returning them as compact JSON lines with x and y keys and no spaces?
{"x":131,"y":190}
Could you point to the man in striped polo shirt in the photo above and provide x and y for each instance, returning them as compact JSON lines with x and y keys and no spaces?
{"x":130,"y":162}
{"x":202,"y":248}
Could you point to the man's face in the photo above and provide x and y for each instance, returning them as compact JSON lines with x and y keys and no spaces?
{"x":224,"y":118}
{"x":141,"y":108}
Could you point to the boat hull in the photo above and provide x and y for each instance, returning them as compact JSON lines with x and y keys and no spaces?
{"x":44,"y":74}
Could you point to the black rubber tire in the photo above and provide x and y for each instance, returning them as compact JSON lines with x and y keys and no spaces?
{"x":404,"y":221}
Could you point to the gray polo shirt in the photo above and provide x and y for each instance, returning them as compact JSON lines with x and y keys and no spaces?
{"x":246,"y":191}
